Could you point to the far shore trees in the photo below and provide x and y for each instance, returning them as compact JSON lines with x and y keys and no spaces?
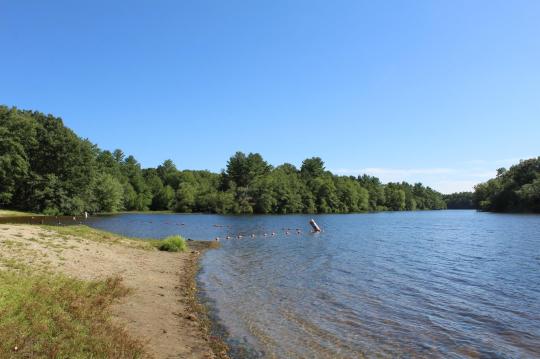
{"x":460,"y":200}
{"x":46,"y":168}
{"x":514,"y":190}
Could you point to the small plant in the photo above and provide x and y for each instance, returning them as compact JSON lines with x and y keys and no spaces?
{"x":173,"y":244}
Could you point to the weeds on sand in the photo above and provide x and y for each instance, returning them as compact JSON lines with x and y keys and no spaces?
{"x":96,"y":235}
{"x":55,"y":316}
{"x":9,"y":213}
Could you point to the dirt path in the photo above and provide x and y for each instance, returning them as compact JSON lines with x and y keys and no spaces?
{"x":157,"y":311}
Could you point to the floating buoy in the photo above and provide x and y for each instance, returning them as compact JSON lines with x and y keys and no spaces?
{"x":314,"y":225}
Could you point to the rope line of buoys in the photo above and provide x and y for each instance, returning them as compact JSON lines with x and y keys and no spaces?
{"x":287,"y":232}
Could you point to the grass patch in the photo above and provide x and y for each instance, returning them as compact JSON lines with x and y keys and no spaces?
{"x":172,"y":244}
{"x":10,"y":243}
{"x":10,"y":263}
{"x":96,"y":235}
{"x":59,"y":317}
{"x":9,"y":213}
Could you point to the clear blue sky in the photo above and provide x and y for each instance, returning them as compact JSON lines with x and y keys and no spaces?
{"x":442,"y":92}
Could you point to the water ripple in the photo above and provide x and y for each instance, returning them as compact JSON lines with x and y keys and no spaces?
{"x":446,"y":284}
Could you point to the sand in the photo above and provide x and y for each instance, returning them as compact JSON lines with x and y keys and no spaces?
{"x":157,"y":311}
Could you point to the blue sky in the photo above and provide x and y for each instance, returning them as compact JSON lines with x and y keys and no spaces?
{"x":431,"y":91}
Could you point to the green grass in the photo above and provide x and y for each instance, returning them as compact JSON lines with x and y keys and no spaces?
{"x":9,"y":213}
{"x":96,"y":235}
{"x":53,"y":316}
{"x":171,"y":244}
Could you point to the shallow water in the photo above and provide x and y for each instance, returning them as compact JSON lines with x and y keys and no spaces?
{"x":446,"y":284}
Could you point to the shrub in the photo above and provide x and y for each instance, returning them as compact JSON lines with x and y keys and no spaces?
{"x":173,"y":244}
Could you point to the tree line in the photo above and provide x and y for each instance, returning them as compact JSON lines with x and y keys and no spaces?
{"x":514,"y":190}
{"x":459,"y":200}
{"x":46,"y":168}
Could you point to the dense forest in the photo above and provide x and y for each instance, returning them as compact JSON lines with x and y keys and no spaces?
{"x":45,"y":167}
{"x":514,"y":190}
{"x":459,"y":200}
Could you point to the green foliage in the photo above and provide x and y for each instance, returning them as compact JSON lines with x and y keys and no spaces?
{"x":514,"y":190}
{"x":49,"y":168}
{"x":172,"y":244}
{"x":242,"y":170}
{"x":13,"y":165}
{"x":168,"y":173}
{"x":185,"y":198}
{"x":164,"y":198}
{"x":461,"y":200}
{"x":45,"y":167}
{"x":395,"y":197}
{"x":108,"y":193}
{"x":312,"y":168}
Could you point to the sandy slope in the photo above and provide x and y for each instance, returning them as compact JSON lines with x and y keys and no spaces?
{"x":156,"y":312}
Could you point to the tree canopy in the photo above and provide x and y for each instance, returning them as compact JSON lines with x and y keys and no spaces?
{"x":459,"y":200}
{"x":514,"y":190}
{"x":45,"y":167}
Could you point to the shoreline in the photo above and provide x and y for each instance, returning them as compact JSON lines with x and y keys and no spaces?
{"x":161,"y":309}
{"x":192,"y":291}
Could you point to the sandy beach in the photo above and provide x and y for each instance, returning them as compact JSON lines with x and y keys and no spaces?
{"x":160,"y":310}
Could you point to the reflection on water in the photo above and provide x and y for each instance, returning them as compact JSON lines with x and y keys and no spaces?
{"x":410,"y":284}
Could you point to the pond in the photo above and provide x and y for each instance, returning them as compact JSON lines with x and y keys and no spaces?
{"x":394,"y":284}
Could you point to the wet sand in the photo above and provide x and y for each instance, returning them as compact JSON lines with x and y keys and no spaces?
{"x":161,"y":310}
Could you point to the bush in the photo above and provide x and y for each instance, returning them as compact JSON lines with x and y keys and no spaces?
{"x":173,"y":244}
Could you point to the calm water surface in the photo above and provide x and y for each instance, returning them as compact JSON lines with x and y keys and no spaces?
{"x":449,"y":284}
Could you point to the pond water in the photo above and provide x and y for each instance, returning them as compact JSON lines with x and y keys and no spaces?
{"x":449,"y":284}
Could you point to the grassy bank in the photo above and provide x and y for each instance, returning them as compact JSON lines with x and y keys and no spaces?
{"x":170,"y":244}
{"x":62,"y":295}
{"x":55,"y":316}
{"x":96,"y":235}
{"x":10,"y":213}
{"x":46,"y":314}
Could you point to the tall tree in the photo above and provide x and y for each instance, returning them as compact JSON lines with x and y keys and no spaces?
{"x":14,"y":166}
